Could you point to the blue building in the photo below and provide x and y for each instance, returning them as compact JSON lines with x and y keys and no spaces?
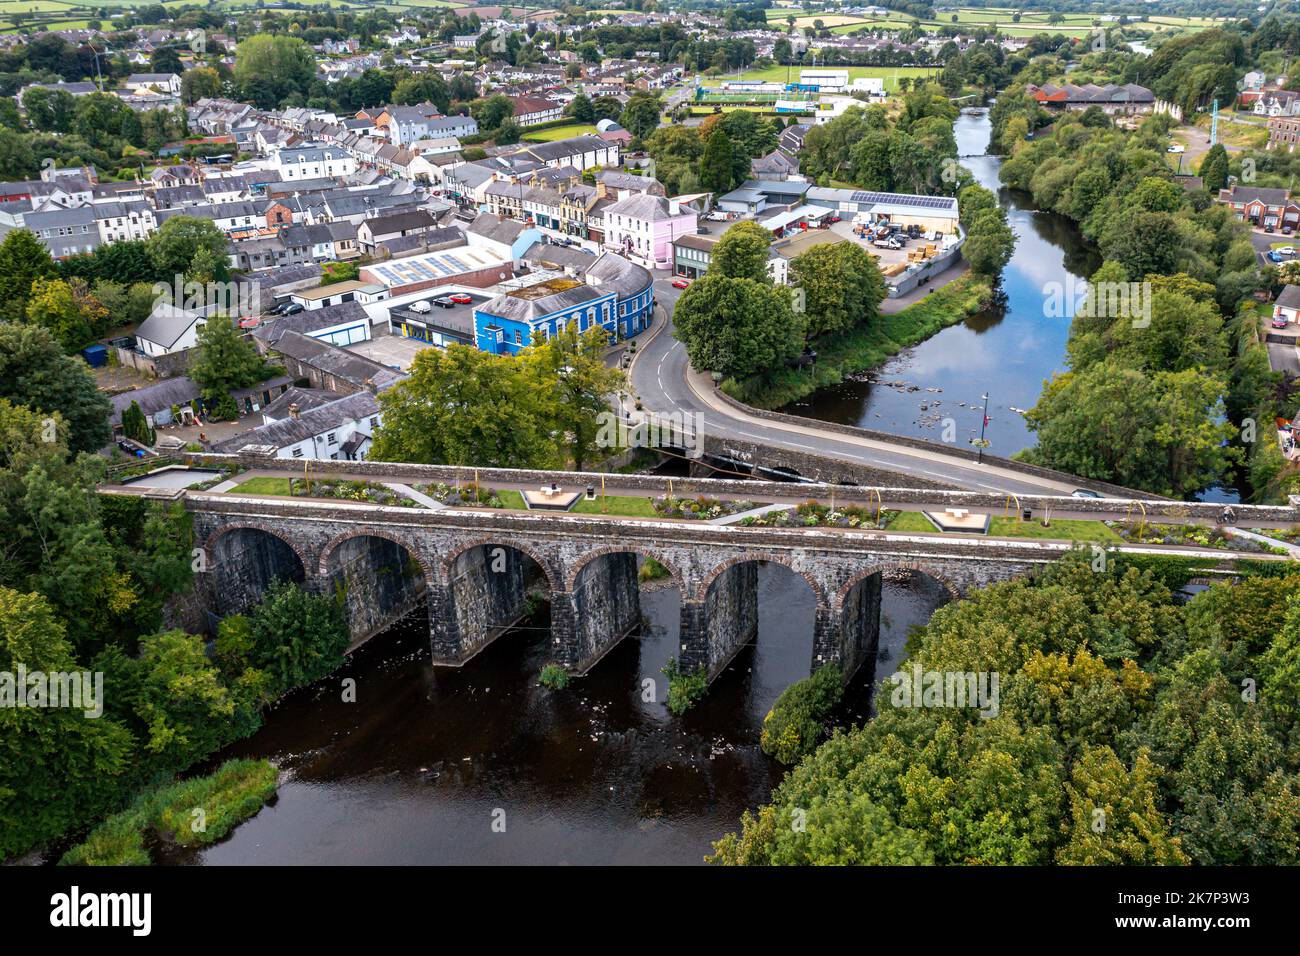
{"x":613,"y":293}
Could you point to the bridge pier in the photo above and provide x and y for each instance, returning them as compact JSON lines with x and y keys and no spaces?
{"x":605,"y":605}
{"x":850,"y":637}
{"x":714,"y":630}
{"x":380,"y":580}
{"x":486,"y":595}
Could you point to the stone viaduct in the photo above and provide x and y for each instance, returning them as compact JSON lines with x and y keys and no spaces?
{"x":475,"y":568}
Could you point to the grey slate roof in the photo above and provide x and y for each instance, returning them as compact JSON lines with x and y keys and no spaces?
{"x":290,"y":431}
{"x":309,"y":320}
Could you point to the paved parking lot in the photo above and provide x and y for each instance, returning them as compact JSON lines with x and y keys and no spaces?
{"x":391,"y":350}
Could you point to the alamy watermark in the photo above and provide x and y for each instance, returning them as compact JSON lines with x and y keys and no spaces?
{"x":78,"y":690}
{"x":679,"y":429}
{"x":1098,"y":300}
{"x":948,"y":689}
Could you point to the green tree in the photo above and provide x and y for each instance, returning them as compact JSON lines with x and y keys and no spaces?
{"x":224,"y":361}
{"x":23,"y":260}
{"x":176,"y":244}
{"x":297,"y":637}
{"x":798,"y":719}
{"x":57,"y":768}
{"x":34,"y":371}
{"x":461,"y":406}
{"x":269,"y":69}
{"x":52,"y":306}
{"x":738,"y":327}
{"x":583,"y":385}
{"x":199,"y":83}
{"x":716,"y":167}
{"x":989,"y":242}
{"x":640,"y":116}
{"x":742,"y":253}
{"x":136,"y":426}
{"x":1214,"y":169}
{"x":840,"y":287}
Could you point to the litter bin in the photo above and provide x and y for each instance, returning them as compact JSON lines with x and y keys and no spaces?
{"x":1026,"y":514}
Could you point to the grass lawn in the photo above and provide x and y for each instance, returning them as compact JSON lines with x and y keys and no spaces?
{"x":263,"y":485}
{"x":1068,"y":529}
{"x":911,"y":521}
{"x":627,"y":505}
{"x":512,"y":499}
{"x":890,"y":74}
{"x":560,"y":132}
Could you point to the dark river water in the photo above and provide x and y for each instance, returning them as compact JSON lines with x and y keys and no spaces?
{"x":420,"y":768}
{"x":1006,"y":351}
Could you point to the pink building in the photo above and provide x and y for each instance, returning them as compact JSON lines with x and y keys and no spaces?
{"x":644,"y":228}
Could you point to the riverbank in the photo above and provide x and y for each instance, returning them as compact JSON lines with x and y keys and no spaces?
{"x":868,"y":347}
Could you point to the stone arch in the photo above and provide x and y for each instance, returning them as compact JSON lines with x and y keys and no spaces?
{"x":326,"y":552}
{"x":213,"y":539}
{"x":571,"y":579}
{"x":843,"y":592}
{"x":702,"y":592}
{"x":553,"y":578}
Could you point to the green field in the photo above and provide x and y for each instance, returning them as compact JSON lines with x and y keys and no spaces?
{"x":1064,"y":529}
{"x":263,"y":485}
{"x":560,"y":132}
{"x":890,"y":74}
{"x":627,"y":505}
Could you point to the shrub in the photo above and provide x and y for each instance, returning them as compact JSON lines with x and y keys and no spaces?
{"x":554,"y":676}
{"x":685,"y":688}
{"x":794,"y":725}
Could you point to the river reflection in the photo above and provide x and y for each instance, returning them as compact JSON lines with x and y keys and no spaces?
{"x":1007,"y":351}
{"x":419,"y":767}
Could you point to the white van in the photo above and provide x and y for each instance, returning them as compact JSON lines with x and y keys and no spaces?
{"x":422,"y":306}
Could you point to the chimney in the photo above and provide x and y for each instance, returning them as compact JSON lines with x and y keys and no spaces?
{"x":674,"y":207}
{"x":601,"y":189}
{"x":294,"y":410}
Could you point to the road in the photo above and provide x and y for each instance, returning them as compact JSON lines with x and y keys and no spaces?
{"x":661,"y":376}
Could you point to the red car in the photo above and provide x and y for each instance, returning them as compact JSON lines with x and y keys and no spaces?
{"x":1279,"y":322}
{"x":460,"y":298}
{"x":681,"y":283}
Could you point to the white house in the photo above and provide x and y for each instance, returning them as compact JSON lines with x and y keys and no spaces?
{"x":149,"y":82}
{"x":168,"y":329}
{"x":313,"y":162}
{"x":339,"y":430}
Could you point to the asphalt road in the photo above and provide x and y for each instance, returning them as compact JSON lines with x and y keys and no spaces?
{"x":660,"y":376}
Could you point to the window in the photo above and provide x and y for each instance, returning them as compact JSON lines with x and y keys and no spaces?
{"x":297,"y":453}
{"x":519,"y":339}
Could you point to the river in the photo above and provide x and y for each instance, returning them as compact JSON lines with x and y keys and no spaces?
{"x":1006,"y":351}
{"x":427,"y":759}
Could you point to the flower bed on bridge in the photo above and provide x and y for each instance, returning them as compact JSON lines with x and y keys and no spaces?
{"x":472,"y":496}
{"x":814,"y":514}
{"x":369,"y":491}
{"x":701,"y":508}
{"x":1195,"y":535}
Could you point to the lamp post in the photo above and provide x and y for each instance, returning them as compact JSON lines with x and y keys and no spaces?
{"x":984,"y":421}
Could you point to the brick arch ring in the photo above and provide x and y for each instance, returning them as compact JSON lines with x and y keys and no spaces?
{"x":538,"y":558}
{"x":702,"y":593}
{"x":210,"y":544}
{"x":843,"y":593}
{"x":572,"y":578}
{"x":338,"y":539}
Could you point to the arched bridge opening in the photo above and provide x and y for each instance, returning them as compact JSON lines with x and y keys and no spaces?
{"x":380,"y":578}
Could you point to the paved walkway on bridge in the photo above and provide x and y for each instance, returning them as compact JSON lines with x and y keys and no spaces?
{"x":414,"y":495}
{"x":1291,"y":549}
{"x":741,"y":515}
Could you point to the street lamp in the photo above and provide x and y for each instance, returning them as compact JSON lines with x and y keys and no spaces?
{"x":981,"y":443}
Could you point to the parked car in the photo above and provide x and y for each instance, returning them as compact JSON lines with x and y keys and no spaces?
{"x":1286,"y":250}
{"x":1084,"y":493}
{"x":1176,"y":148}
{"x":1287,"y":230}
{"x":461,"y":298}
{"x":681,"y":283}
{"x":422,"y":306}
{"x":1274,"y":256}
{"x":444,"y":302}
{"x":1268,"y":229}
{"x":293,"y":308}
{"x":1279,"y":322}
